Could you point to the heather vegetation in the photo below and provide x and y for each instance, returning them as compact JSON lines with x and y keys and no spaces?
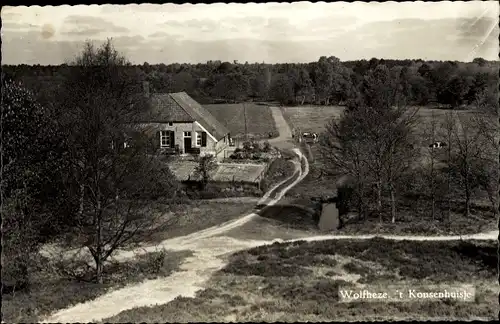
{"x":66,"y":179}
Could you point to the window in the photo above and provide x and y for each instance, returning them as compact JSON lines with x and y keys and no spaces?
{"x":164,"y":138}
{"x":170,"y":124}
{"x":187,"y":134}
{"x":198,"y":138}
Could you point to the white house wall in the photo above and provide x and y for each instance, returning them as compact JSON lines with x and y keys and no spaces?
{"x":180,"y":128}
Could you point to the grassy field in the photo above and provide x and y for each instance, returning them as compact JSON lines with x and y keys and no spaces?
{"x":224,"y":172}
{"x":50,"y":290}
{"x":279,"y":170}
{"x":197,"y":215}
{"x":301,"y":281}
{"x":311,"y":118}
{"x":412,"y":215}
{"x":314,"y":118}
{"x":260,"y":122}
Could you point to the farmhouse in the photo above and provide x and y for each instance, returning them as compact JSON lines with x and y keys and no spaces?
{"x":180,"y":125}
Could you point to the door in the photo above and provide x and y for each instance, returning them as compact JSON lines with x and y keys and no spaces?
{"x":187,"y":144}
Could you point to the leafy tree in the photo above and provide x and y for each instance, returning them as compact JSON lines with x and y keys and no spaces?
{"x":323,"y":79}
{"x":99,"y":105}
{"x":372,"y":143}
{"x":378,"y":89}
{"x":454,"y":92}
{"x":281,"y":89}
{"x":207,"y":164}
{"x":31,"y":167}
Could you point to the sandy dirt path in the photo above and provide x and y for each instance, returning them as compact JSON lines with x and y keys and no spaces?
{"x":210,"y":252}
{"x":209,"y":256}
{"x":284,"y":140}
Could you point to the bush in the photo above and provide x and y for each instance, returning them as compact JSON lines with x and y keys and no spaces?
{"x":256,"y":147}
{"x":247,"y":146}
{"x":266,"y":147}
{"x":345,"y":198}
{"x":274,"y":268}
{"x":256,"y":156}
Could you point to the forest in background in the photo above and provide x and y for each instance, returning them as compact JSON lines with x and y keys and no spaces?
{"x":325,"y":82}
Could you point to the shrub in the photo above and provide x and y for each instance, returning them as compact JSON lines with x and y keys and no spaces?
{"x":256,"y":156}
{"x":266,"y":147}
{"x":247,"y":146}
{"x":345,"y":195}
{"x":206,"y":165}
{"x":256,"y":147}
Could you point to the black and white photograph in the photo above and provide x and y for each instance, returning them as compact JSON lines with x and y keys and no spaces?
{"x":250,"y":162}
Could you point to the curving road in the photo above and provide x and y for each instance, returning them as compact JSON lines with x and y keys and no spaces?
{"x":284,"y":140}
{"x":210,"y":250}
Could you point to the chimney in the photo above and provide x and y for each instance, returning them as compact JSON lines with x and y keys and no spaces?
{"x":145,"y":87}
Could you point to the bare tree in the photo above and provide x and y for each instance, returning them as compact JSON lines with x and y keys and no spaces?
{"x":100,"y":105}
{"x":430,"y":136}
{"x":400,"y":151}
{"x":343,"y":156}
{"x":374,"y":139}
{"x":471,"y":160}
{"x":449,"y":127}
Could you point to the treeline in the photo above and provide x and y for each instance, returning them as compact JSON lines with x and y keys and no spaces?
{"x":325,"y":82}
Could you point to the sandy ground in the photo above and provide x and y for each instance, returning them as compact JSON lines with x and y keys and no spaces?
{"x":284,"y":140}
{"x":209,"y":254}
{"x":210,"y":249}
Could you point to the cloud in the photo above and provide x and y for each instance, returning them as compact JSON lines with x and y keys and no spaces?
{"x":273,"y":28}
{"x":183,"y":34}
{"x":89,"y":26}
{"x":146,"y":7}
{"x":7,"y":13}
{"x":35,"y":49}
{"x":125,"y":41}
{"x":83,"y":32}
{"x":481,"y":27}
{"x":248,"y":20}
{"x":12,"y":25}
{"x":194,"y":25}
{"x":159,"y":34}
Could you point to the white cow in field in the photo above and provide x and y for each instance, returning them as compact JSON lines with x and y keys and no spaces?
{"x":437,"y":144}
{"x":310,"y":136}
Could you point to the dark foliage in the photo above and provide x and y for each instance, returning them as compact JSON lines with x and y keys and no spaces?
{"x":327,"y":81}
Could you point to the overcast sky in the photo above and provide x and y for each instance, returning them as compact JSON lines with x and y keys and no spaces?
{"x":270,"y":32}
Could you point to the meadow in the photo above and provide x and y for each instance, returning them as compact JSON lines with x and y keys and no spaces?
{"x":53,"y":288}
{"x":225,"y":172}
{"x":258,"y":117}
{"x":413,"y":214}
{"x":311,"y":118}
{"x":300,"y":281}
